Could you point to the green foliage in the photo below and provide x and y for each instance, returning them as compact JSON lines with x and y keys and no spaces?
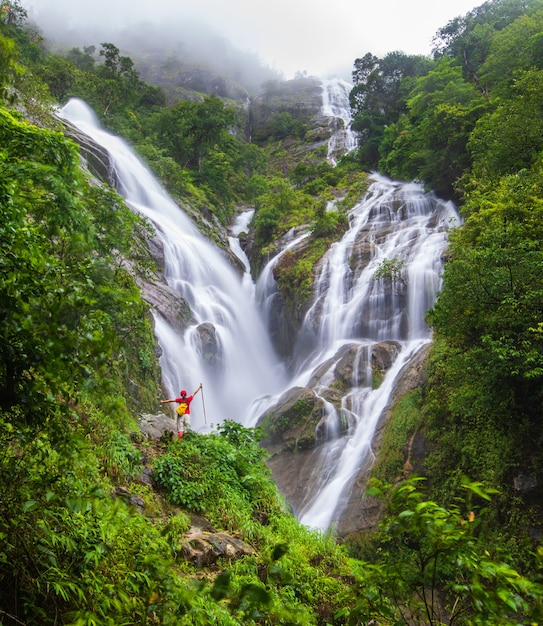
{"x":281,"y":208}
{"x":75,"y":336}
{"x":191,"y":470}
{"x":494,"y":278}
{"x":378,"y":97}
{"x":401,"y":427}
{"x":190,"y":129}
{"x":390,"y":269}
{"x":7,"y":65}
{"x":429,"y":142}
{"x":69,"y":553}
{"x":509,"y":139}
{"x":61,"y":232}
{"x":433,"y":565}
{"x":294,"y":275}
{"x":280,"y":126}
{"x":415,"y":118}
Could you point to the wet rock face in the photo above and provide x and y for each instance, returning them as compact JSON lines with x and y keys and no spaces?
{"x":209,"y":344}
{"x":291,"y":424}
{"x":384,"y":354}
{"x":168,"y":303}
{"x":296,"y":421}
{"x":295,"y":427}
{"x":95,"y":159}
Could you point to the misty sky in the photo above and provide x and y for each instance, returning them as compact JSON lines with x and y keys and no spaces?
{"x":321,"y":37}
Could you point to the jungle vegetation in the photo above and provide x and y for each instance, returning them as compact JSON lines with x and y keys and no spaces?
{"x":78,"y":361}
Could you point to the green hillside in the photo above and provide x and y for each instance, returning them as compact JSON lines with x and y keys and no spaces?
{"x":100,"y":525}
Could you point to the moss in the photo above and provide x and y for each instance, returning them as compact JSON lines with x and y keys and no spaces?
{"x":377,"y":377}
{"x":404,"y":421}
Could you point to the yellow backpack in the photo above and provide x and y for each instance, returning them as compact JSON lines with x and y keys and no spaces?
{"x":182,"y":408}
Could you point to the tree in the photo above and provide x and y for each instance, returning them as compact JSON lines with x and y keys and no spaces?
{"x":510,"y":139}
{"x":493,"y":300}
{"x":12,"y":13}
{"x":378,"y":97}
{"x":66,"y":298}
{"x":190,"y":129}
{"x":468,"y":38}
{"x":83,"y":60}
{"x":7,"y":65}
{"x":59,"y":75}
{"x":433,"y":566}
{"x":429,"y":142}
{"x":514,"y":48}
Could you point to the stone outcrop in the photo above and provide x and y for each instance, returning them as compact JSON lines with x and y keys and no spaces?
{"x":94,"y":159}
{"x":291,"y":425}
{"x":153,"y":426}
{"x":209,"y":344}
{"x":168,"y":303}
{"x":203,"y":546}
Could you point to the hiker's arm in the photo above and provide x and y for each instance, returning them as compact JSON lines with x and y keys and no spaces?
{"x":164,"y":401}
{"x":197,"y":390}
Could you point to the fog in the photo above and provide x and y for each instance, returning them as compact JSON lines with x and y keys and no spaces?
{"x":318,"y":37}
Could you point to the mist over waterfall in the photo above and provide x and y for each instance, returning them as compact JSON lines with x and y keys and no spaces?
{"x":217,"y":295}
{"x":372,"y":291}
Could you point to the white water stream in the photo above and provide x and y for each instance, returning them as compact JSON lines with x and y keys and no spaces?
{"x":394,"y":222}
{"x":215,"y":292}
{"x":335,"y":105}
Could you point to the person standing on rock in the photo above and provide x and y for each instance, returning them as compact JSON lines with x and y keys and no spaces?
{"x":183,"y":410}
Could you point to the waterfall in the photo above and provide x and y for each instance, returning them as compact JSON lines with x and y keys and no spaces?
{"x":336,"y":107}
{"x":357,"y":310}
{"x":358,"y":305}
{"x":216,"y":294}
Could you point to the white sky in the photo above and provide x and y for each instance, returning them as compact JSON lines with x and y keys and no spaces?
{"x":320,"y":37}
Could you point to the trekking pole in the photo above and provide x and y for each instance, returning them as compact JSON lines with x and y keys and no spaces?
{"x":203,"y":404}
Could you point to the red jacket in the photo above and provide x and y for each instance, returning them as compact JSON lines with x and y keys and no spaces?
{"x":188,"y":400}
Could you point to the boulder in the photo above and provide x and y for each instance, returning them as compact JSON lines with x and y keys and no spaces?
{"x":384,"y":354}
{"x":168,"y":303}
{"x":154,"y":426}
{"x":209,"y":345}
{"x":291,"y":424}
{"x":205,"y":547}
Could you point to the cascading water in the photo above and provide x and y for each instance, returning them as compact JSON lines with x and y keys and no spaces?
{"x":372,"y":291}
{"x":352,"y":309}
{"x":248,"y":367}
{"x":360,"y":303}
{"x":335,"y":106}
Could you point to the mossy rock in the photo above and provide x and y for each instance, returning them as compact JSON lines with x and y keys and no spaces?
{"x":292,"y":423}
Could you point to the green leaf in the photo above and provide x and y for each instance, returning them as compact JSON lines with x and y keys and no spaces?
{"x":221,"y":586}
{"x":279,"y":550}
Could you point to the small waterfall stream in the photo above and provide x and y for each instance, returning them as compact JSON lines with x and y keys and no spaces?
{"x":351,"y":309}
{"x":335,"y":105}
